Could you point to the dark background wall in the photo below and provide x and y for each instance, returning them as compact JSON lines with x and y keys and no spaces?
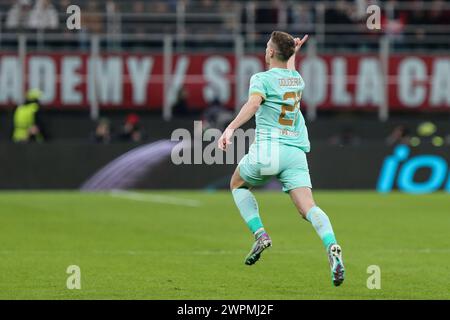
{"x":69,"y":165}
{"x":76,"y":125}
{"x":69,"y":157}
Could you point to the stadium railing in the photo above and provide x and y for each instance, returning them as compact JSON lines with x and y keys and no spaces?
{"x":335,"y":24}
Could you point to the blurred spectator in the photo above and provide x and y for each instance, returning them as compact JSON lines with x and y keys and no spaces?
{"x":92,"y":21}
{"x":19,"y":15}
{"x":266,"y":14}
{"x":229,"y":20}
{"x":173,"y":4}
{"x":339,"y":13}
{"x":400,"y":135}
{"x":438,"y":16}
{"x":360,"y":12}
{"x":437,"y":13}
{"x":417,"y":19}
{"x":113,"y":25}
{"x":301,"y":18}
{"x":447,"y":139}
{"x":216,"y":115}
{"x":426,"y":129}
{"x":43,"y":16}
{"x":180,"y":108}
{"x":66,"y":32}
{"x":160,"y":7}
{"x":113,"y":17}
{"x":417,"y":13}
{"x":64,"y":4}
{"x":131,"y":130}
{"x":28,"y":126}
{"x":428,"y":132}
{"x":102,"y":132}
{"x":138,"y":6}
{"x":339,"y":21}
{"x":136,"y":19}
{"x":206,"y":6}
{"x":346,"y":137}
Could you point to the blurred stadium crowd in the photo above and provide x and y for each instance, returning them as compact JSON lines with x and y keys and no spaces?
{"x":413,"y":19}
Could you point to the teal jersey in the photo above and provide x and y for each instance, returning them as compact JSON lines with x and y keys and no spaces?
{"x":279,"y":119}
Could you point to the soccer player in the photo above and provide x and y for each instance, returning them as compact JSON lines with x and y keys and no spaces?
{"x":281,"y":142}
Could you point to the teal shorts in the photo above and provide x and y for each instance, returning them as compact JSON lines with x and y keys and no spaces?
{"x":287,"y":163}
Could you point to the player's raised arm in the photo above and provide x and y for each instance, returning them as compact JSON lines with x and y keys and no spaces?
{"x":298,"y":45}
{"x":248,"y":110}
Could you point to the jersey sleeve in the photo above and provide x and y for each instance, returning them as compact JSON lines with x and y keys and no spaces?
{"x":257,"y":86}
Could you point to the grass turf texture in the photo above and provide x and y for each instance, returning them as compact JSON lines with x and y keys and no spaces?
{"x":130,"y":249}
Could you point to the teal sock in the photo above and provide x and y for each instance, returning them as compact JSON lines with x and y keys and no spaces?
{"x":322,"y":224}
{"x":248,"y":207}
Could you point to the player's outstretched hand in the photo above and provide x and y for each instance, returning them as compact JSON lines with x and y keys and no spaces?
{"x":225,"y":139}
{"x":299,"y":43}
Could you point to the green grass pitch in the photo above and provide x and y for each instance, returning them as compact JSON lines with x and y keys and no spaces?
{"x":155,"y":245}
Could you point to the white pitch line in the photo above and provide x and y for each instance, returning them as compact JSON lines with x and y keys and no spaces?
{"x":154,"y":198}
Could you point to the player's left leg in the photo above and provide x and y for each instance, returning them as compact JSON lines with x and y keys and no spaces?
{"x":303,"y":200}
{"x":248,"y":208}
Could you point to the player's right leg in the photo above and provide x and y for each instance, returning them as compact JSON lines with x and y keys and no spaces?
{"x":303,"y":200}
{"x":296,"y":181}
{"x":248,"y":208}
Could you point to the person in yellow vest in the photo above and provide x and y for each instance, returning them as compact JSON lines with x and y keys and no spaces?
{"x":26,"y":119}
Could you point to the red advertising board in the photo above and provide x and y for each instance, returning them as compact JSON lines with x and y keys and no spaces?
{"x":136,"y":81}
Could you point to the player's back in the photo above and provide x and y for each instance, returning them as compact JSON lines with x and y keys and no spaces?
{"x":279,"y":117}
